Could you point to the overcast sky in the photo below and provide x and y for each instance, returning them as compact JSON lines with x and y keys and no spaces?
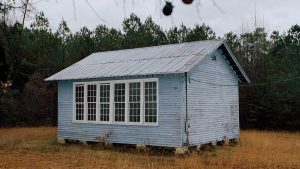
{"x":228,"y":15}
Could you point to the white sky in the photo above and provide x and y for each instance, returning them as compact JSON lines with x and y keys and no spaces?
{"x":238,"y":15}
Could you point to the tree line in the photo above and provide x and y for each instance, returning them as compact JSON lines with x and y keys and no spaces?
{"x":30,"y":54}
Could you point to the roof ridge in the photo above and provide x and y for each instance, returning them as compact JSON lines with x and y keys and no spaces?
{"x":172,"y":44}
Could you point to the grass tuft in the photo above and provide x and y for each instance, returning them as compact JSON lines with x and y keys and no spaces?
{"x":38,"y":148}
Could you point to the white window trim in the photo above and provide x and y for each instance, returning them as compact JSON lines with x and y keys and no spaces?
{"x":112,"y":110}
{"x":126,"y":107}
{"x":74,"y":103}
{"x":110,"y":103}
{"x":86,"y":89}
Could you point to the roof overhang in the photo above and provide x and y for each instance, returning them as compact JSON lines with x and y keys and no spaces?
{"x":233,"y":62}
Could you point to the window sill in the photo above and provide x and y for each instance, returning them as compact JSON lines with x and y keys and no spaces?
{"x":117,"y":123}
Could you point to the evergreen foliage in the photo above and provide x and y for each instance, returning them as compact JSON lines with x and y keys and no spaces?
{"x":29,"y":55}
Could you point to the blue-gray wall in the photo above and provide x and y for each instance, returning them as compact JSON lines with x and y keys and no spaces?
{"x":168,"y":132}
{"x":213,"y":110}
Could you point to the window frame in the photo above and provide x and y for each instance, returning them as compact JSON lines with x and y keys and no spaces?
{"x":141,"y":102}
{"x":144,"y":103}
{"x":112,"y":105}
{"x":75,"y":103}
{"x":87,"y":103}
{"x":99,"y":103}
{"x":118,"y":102}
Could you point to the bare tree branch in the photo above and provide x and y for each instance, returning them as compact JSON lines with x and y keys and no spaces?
{"x":74,"y":10}
{"x":99,"y":17}
{"x":25,"y":11}
{"x":217,"y":6}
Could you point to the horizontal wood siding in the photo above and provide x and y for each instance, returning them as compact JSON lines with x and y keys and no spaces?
{"x":167,"y":133}
{"x":213,"y":110}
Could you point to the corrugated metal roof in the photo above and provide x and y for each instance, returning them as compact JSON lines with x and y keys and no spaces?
{"x":165,"y":59}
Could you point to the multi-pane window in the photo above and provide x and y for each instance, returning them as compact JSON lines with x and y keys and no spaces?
{"x":124,"y":101}
{"x":104,"y":102}
{"x":79,"y":102}
{"x":134,"y":102}
{"x":150,"y":102}
{"x":91,"y":102}
{"x":119,"y":102}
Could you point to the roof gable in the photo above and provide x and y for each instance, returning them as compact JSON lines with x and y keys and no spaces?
{"x":233,"y":62}
{"x":165,"y":59}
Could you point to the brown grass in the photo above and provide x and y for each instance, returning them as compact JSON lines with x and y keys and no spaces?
{"x":37,"y":148}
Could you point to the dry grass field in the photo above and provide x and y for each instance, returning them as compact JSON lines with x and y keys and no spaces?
{"x":37,"y":148}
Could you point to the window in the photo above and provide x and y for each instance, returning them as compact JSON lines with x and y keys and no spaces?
{"x":150,"y":102}
{"x":79,"y":102}
{"x":104,"y":102}
{"x":91,"y":102}
{"x":132,"y":102}
{"x":119,"y":102}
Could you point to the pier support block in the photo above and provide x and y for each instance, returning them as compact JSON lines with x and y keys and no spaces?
{"x":181,"y":151}
{"x":141,"y":147}
{"x":61,"y":140}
